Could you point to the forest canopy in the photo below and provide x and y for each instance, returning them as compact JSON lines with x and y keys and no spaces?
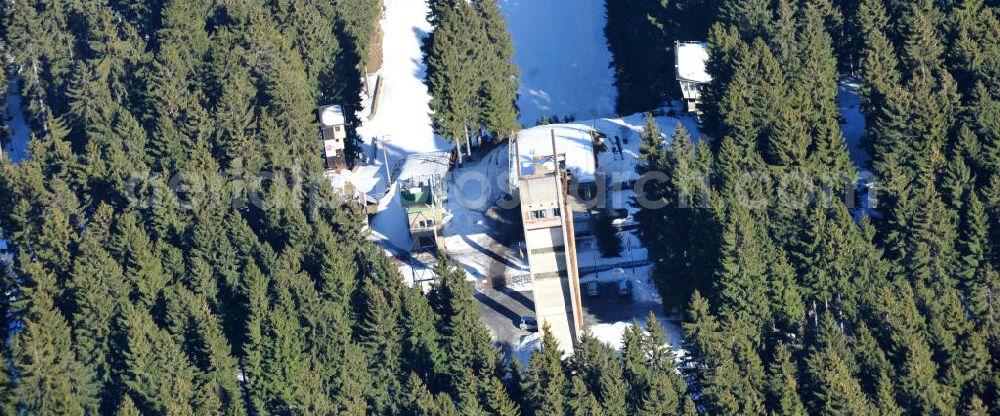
{"x":172,"y":246}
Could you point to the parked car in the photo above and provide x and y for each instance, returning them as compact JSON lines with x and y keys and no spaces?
{"x":624,"y":288}
{"x":592,"y":289}
{"x":529,"y":323}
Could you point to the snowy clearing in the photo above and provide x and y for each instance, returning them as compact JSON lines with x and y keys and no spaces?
{"x":853,"y":130}
{"x":564,"y":59}
{"x":17,"y":149}
{"x":854,"y":121}
{"x":610,"y":333}
{"x":643,"y":293}
{"x":470,"y":237}
{"x":526,"y":345}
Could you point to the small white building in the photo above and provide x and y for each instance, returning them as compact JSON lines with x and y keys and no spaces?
{"x":333,"y":129}
{"x":690,"y":59}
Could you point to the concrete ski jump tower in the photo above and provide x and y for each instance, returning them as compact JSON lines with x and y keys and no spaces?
{"x":551,"y":246}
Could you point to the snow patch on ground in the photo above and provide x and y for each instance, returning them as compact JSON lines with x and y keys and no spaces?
{"x":854,"y":120}
{"x":564,"y":59}
{"x":17,"y":149}
{"x":611,"y":333}
{"x":390,"y":224}
{"x":526,"y":345}
{"x":853,"y":129}
{"x":628,"y":130}
{"x":470,"y":236}
{"x":643,"y":292}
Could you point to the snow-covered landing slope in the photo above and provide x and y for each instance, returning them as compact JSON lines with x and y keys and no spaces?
{"x":403,"y":117}
{"x":563,"y":56}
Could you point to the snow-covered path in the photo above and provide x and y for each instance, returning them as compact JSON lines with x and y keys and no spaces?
{"x":17,"y":149}
{"x":403,"y":117}
{"x":853,"y":130}
{"x":563,"y":56}
{"x":854,"y":121}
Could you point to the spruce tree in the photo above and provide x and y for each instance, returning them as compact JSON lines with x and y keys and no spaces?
{"x":832,"y":387}
{"x":451,"y":71}
{"x":581,"y":401}
{"x":544,"y":381}
{"x":498,"y":401}
{"x":422,"y":354}
{"x":921,"y":391}
{"x":742,"y":277}
{"x":782,"y":387}
{"x":878,"y":57}
{"x":466,"y":342}
{"x":500,"y":78}
{"x":418,"y":401}
{"x":608,"y":241}
{"x":159,"y":375}
{"x":51,"y":379}
{"x":752,"y":18}
{"x":788,"y":308}
{"x":973,"y":242}
{"x":640,"y":37}
{"x":380,"y":336}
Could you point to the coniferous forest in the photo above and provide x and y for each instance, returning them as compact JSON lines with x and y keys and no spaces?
{"x":801,"y":294}
{"x":250,"y":292}
{"x":247,"y":292}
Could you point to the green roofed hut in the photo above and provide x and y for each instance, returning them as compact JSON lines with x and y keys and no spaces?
{"x":422,"y":193}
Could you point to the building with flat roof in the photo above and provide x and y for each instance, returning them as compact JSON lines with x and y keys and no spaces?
{"x":690,"y":63}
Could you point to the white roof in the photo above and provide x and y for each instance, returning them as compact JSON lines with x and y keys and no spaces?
{"x":421,"y":165}
{"x":368,"y":179}
{"x":331,"y":115}
{"x":573,"y":140}
{"x":691,"y":60}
